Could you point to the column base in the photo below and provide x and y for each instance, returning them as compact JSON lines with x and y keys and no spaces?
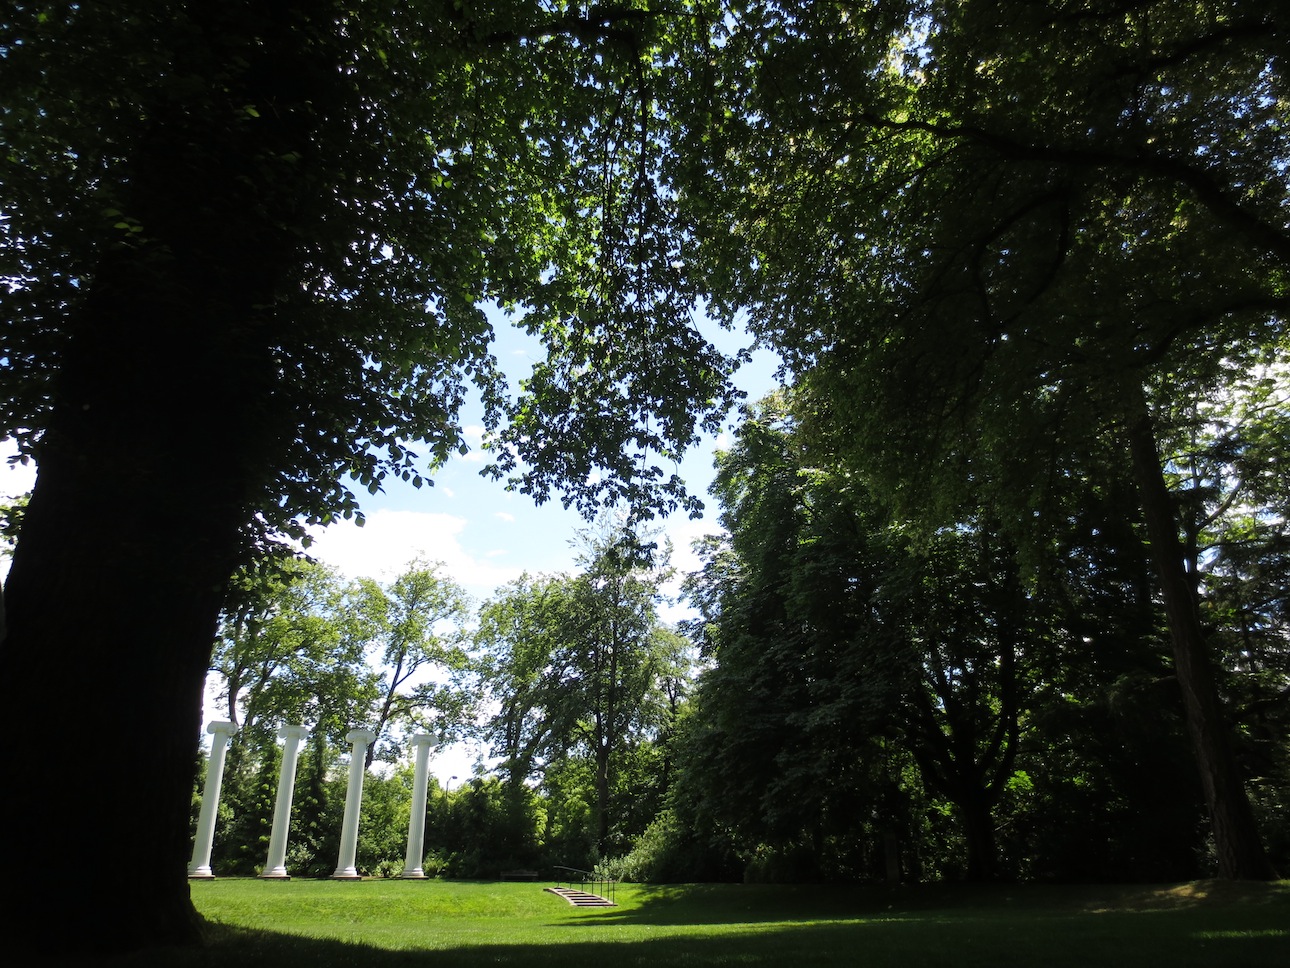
{"x":278,"y":874}
{"x":346,"y":874}
{"x":416,"y":875}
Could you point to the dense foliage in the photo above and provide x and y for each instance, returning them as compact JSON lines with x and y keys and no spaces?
{"x":585,"y":681}
{"x":887,"y":703}
{"x":995,"y":242}
{"x":244,"y":254}
{"x":1026,"y":267}
{"x":874,"y":702}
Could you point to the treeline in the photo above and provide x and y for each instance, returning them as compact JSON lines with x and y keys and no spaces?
{"x":571,"y":680}
{"x":857,"y":698}
{"x":966,"y":701}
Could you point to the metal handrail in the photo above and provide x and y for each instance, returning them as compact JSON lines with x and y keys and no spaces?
{"x":604,"y":886}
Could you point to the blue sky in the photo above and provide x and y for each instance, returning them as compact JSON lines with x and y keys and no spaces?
{"x":484,"y":536}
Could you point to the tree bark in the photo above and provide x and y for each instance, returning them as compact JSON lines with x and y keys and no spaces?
{"x":976,"y":810}
{"x":165,"y":431}
{"x":114,"y":592}
{"x":1241,"y":855}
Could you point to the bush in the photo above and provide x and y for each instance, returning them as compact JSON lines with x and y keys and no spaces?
{"x":668,"y":852}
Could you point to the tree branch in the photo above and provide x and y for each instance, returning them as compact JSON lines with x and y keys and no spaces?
{"x":1206,"y":190}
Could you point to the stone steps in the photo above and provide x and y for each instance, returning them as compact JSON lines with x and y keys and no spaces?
{"x":580,"y":898}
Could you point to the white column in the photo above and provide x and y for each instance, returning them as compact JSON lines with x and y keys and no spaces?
{"x":421,"y":742}
{"x":275,"y":867}
{"x":353,"y":804}
{"x":200,"y":865}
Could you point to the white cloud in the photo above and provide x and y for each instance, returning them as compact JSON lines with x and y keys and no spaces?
{"x":384,"y":546}
{"x":504,"y":516}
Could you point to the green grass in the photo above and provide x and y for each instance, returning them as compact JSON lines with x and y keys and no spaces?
{"x":401,"y":924}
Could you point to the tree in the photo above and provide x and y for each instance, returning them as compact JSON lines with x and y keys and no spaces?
{"x":865,"y":676}
{"x":792,"y":740}
{"x":965,"y":609}
{"x":417,"y":629}
{"x":519,"y":640}
{"x":244,"y":250}
{"x":984,"y":238}
{"x":1222,"y":458}
{"x":581,"y":669}
{"x":1113,"y":791}
{"x":621,"y":656}
{"x":290,"y":651}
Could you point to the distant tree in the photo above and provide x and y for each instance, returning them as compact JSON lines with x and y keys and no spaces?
{"x":977,"y":631}
{"x":416,"y":630}
{"x":488,"y":829}
{"x":383,"y":822}
{"x":1112,"y":790}
{"x":1224,"y":458}
{"x":291,"y":651}
{"x":247,"y":802}
{"x":790,"y":733}
{"x":317,"y":809}
{"x":519,"y":643}
{"x":581,"y":668}
{"x":857,"y":667}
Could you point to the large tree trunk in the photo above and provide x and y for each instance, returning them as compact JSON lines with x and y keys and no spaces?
{"x":103,"y":667}
{"x":1236,"y":837}
{"x":166,"y":429}
{"x":147,"y":472}
{"x":976,"y":815}
{"x":113,"y":597}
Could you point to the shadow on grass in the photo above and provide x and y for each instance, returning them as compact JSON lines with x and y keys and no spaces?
{"x":994,"y":927}
{"x":699,"y":904}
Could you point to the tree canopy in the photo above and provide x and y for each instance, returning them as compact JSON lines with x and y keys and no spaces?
{"x":581,"y":669}
{"x":245,"y":251}
{"x":989,"y":240}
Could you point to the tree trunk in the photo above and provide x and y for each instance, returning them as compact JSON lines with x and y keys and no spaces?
{"x":1236,"y":837}
{"x":602,"y":795}
{"x":113,"y":598}
{"x":891,"y":854}
{"x":167,"y":428}
{"x":976,"y":813}
{"x":147,"y":470}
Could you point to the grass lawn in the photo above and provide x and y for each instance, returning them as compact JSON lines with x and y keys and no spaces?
{"x":401,"y":924}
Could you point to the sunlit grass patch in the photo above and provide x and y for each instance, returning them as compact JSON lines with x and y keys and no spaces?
{"x":402,"y":924}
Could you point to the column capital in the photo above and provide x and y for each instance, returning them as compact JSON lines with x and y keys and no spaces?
{"x":293,"y":732}
{"x":222,"y":727}
{"x":360,"y":736}
{"x":424,"y":739}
